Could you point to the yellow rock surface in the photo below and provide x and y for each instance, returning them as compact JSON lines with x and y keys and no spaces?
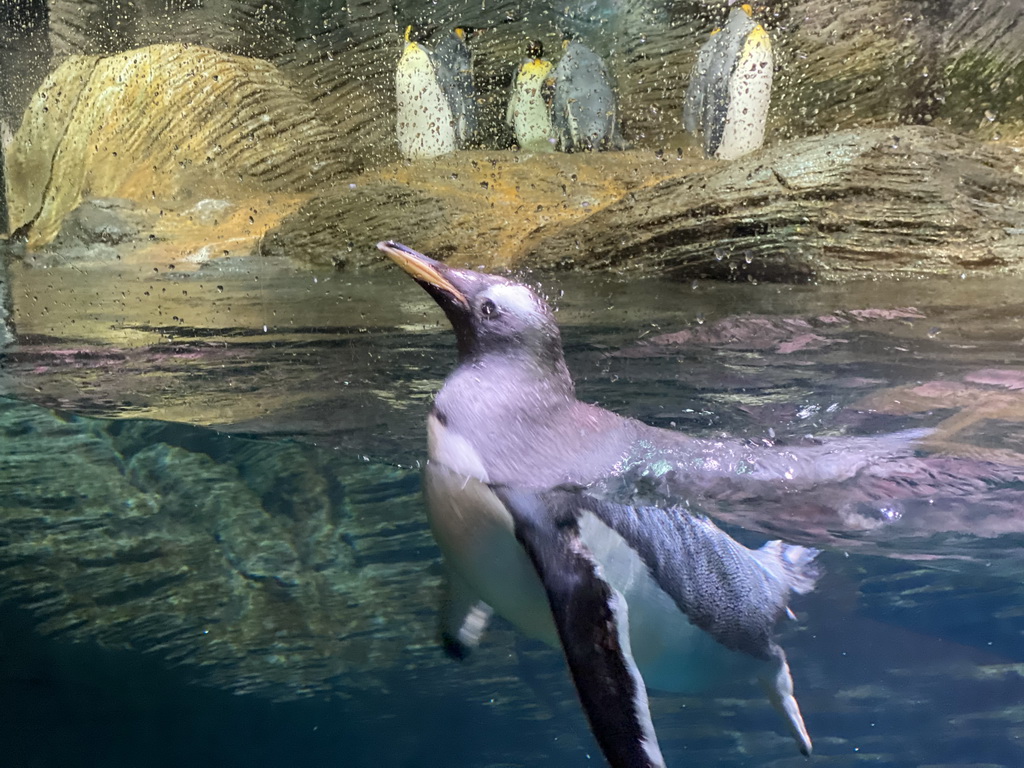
{"x":160,"y":123}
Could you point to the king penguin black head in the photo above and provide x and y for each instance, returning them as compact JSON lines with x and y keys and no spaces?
{"x":490,"y":314}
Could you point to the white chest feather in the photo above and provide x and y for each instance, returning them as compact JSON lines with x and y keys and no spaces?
{"x":750,"y":90}
{"x":528,"y":113}
{"x":476,"y":535}
{"x":425,"y":126}
{"x":475,"y":532}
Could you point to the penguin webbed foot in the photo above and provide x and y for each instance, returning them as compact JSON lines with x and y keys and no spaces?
{"x":463,"y":619}
{"x":454,"y":649}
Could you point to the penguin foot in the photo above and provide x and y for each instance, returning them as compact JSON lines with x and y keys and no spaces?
{"x":453,"y":649}
{"x":463,"y":622}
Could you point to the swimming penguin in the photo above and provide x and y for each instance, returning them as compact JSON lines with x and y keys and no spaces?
{"x":425,"y":122}
{"x":529,"y":104}
{"x":585,"y":112}
{"x":730,"y":88}
{"x":455,"y":73}
{"x":636,"y":596}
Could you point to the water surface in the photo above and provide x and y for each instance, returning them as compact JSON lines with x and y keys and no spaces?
{"x":226,"y":500}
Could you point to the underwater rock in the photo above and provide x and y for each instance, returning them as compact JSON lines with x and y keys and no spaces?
{"x":159,"y":123}
{"x":274,"y":567}
{"x":474,"y":207}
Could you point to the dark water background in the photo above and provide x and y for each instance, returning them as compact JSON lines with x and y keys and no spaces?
{"x":909,"y":653}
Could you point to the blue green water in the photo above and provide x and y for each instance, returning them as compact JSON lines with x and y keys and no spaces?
{"x":262,"y":593}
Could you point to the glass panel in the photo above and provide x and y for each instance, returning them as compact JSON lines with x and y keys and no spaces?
{"x":786,"y":236}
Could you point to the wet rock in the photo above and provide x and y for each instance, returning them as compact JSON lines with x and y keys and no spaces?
{"x":97,"y":230}
{"x":982,"y":81}
{"x":244,"y":27}
{"x":907,"y":201}
{"x":902,"y":201}
{"x":470,"y":207}
{"x":168,"y":122}
{"x":102,"y":220}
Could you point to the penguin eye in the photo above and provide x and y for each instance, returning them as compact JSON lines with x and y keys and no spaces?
{"x":488,"y":308}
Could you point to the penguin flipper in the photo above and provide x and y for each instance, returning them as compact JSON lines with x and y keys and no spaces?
{"x":733,"y":593}
{"x":593,"y":625}
{"x":779,"y":687}
{"x":463,"y":618}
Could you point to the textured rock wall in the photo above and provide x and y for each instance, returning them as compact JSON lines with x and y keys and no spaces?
{"x":159,"y":123}
{"x":257,"y":561}
{"x":331,"y":98}
{"x":910,"y":201}
{"x":111,"y":26}
{"x":24,"y":56}
{"x":907,"y":61}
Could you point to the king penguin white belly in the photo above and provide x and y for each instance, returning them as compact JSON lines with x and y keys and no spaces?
{"x":729,"y":93}
{"x":425,"y":125}
{"x":750,"y":90}
{"x":528,"y":113}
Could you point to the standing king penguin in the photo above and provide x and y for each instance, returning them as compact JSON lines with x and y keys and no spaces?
{"x":635,"y":596}
{"x":455,"y":72}
{"x":585,"y":111}
{"x":425,"y":125}
{"x":529,"y":103}
{"x":730,"y":88}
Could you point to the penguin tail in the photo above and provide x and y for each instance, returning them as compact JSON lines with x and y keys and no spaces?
{"x":792,"y":565}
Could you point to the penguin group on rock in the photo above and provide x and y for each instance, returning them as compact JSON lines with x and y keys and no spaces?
{"x":730,"y":88}
{"x":635,"y":596}
{"x":571,"y":107}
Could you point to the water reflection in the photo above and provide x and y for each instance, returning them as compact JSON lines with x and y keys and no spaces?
{"x":312,"y":570}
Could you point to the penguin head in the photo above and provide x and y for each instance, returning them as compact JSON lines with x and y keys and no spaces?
{"x":418,"y":33}
{"x":489,"y":313}
{"x":747,"y":8}
{"x":535,"y":49}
